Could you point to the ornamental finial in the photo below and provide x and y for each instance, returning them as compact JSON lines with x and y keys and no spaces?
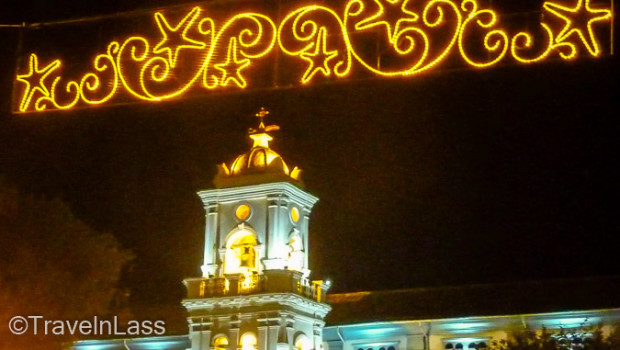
{"x":262,"y":114}
{"x":260,"y":135}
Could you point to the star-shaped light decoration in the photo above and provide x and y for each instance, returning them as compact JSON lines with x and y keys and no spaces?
{"x":35,"y":80}
{"x":319,"y":58}
{"x":578,"y":20}
{"x":175,"y":38}
{"x":390,"y":11}
{"x":232,"y":64}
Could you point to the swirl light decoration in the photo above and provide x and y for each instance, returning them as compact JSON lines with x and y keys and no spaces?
{"x":388,"y":38}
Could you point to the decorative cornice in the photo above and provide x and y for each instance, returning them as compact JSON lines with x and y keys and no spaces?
{"x":231,"y":194}
{"x":286,"y":299}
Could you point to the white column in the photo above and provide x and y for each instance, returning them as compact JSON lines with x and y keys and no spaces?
{"x":200,"y":334}
{"x":210,"y":250}
{"x":273,"y":259}
{"x":304,"y":233}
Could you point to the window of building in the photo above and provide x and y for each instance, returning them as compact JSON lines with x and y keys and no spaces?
{"x":302,"y":343}
{"x":573,"y":340}
{"x":241,"y":254}
{"x":220,"y":343}
{"x":387,"y":346}
{"x":474,"y":345}
{"x":248,"y":341}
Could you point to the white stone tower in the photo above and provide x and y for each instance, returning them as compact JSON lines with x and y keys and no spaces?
{"x":255,"y":292}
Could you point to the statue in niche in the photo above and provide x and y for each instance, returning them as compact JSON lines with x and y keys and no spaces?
{"x":296,"y":253}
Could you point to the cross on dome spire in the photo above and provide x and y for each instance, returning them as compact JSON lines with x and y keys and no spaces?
{"x":261,"y":162}
{"x":260,"y":135}
{"x":261,"y":115}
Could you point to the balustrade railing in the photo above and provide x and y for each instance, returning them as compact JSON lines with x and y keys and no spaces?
{"x":254,"y":284}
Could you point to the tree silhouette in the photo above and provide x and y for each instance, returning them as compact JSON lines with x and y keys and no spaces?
{"x":53,"y":265}
{"x":583,"y":337}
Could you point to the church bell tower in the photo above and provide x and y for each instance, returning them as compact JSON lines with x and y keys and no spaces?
{"x":255,"y":292}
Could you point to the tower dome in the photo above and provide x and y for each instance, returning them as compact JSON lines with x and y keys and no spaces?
{"x":258,"y":159}
{"x":260,"y":163}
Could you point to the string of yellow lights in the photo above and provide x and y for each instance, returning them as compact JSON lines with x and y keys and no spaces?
{"x":409,"y":38}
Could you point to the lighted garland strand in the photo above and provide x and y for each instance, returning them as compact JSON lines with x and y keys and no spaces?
{"x":328,"y":43}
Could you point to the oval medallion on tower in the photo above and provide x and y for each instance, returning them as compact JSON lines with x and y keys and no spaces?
{"x":243,"y":212}
{"x":295,"y":214}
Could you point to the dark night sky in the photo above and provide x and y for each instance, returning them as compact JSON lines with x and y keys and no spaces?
{"x":453,"y":177}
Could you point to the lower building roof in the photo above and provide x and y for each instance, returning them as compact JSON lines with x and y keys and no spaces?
{"x":475,"y":300}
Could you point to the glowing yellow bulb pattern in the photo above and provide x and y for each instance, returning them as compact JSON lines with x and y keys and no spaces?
{"x":413,"y":37}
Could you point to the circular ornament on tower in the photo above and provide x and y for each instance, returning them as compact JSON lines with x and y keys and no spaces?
{"x":243,"y":212}
{"x":295,"y":214}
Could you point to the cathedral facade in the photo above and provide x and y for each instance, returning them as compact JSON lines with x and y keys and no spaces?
{"x":256,"y":291}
